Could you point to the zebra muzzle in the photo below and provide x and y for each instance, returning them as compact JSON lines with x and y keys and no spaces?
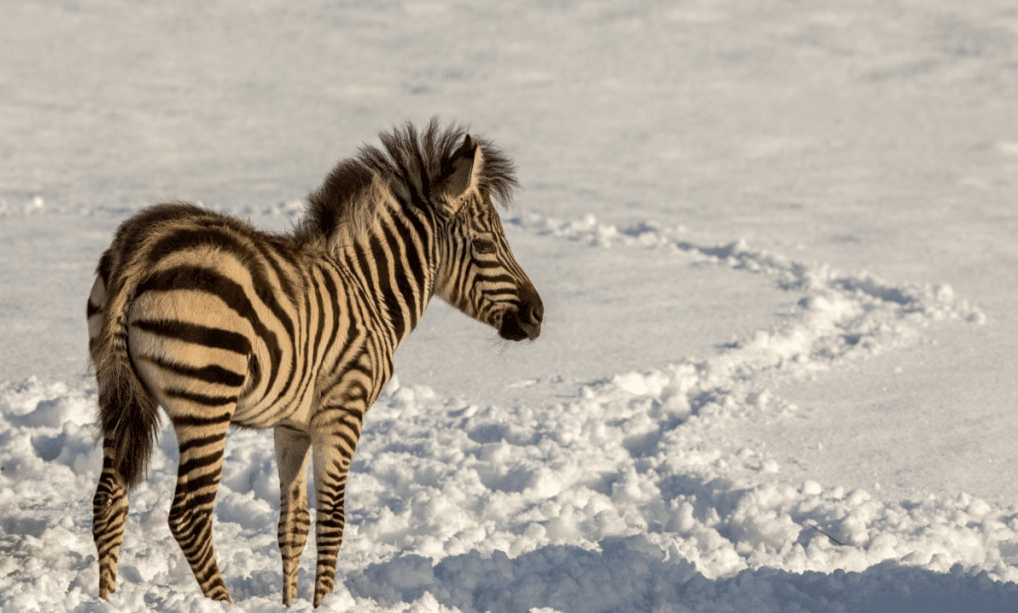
{"x":525,"y":321}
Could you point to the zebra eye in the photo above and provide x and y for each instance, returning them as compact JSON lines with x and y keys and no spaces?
{"x":482,"y":246}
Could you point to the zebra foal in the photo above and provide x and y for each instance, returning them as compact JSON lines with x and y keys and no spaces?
{"x":220,"y":324}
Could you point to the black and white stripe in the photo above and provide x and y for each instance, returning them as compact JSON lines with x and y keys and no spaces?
{"x":221,"y":324}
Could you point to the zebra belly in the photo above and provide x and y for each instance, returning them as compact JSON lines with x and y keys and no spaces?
{"x":265,"y":412}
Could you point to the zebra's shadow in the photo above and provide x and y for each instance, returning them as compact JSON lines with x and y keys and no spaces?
{"x":630,"y":574}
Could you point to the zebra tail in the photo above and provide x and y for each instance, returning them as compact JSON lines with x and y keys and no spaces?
{"x":128,"y":413}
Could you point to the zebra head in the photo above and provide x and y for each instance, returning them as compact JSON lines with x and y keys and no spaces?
{"x":477,"y":272}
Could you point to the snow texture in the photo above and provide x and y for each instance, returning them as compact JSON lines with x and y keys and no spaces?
{"x":776,"y":243}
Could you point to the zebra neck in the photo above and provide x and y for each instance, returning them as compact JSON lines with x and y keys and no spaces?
{"x":396,"y":260}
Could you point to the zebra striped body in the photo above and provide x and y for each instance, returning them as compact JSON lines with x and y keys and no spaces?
{"x":221,"y":324}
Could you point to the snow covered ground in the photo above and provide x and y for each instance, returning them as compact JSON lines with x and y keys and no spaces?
{"x":776,"y":241}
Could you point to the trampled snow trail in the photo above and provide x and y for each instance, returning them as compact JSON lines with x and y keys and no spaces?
{"x":609,"y":495}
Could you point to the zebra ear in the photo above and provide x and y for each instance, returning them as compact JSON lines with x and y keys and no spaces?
{"x":466,"y":165}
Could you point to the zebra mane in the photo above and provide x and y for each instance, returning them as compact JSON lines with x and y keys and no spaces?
{"x":408,"y":163}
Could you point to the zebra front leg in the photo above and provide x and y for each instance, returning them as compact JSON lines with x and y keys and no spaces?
{"x":334,"y":441}
{"x":109,"y":514}
{"x":294,"y":520}
{"x":201,"y":444}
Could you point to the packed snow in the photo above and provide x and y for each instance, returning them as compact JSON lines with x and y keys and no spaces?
{"x":776,"y":243}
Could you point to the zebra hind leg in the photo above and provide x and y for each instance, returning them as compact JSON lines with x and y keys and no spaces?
{"x":109,"y":514}
{"x":201,"y":443}
{"x":294,"y":519}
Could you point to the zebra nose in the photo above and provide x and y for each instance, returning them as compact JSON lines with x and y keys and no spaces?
{"x":523,"y":322}
{"x":537,"y":311}
{"x":531,"y":311}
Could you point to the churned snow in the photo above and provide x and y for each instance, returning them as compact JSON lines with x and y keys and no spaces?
{"x":776,"y":242}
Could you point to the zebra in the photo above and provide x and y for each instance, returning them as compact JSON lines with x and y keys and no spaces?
{"x":221,"y":324}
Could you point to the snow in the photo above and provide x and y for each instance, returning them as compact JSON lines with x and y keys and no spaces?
{"x":776,"y":243}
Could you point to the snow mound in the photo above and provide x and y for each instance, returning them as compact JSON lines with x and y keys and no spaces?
{"x":614,"y":500}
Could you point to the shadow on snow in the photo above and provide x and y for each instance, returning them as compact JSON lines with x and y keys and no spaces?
{"x":631,"y":574}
